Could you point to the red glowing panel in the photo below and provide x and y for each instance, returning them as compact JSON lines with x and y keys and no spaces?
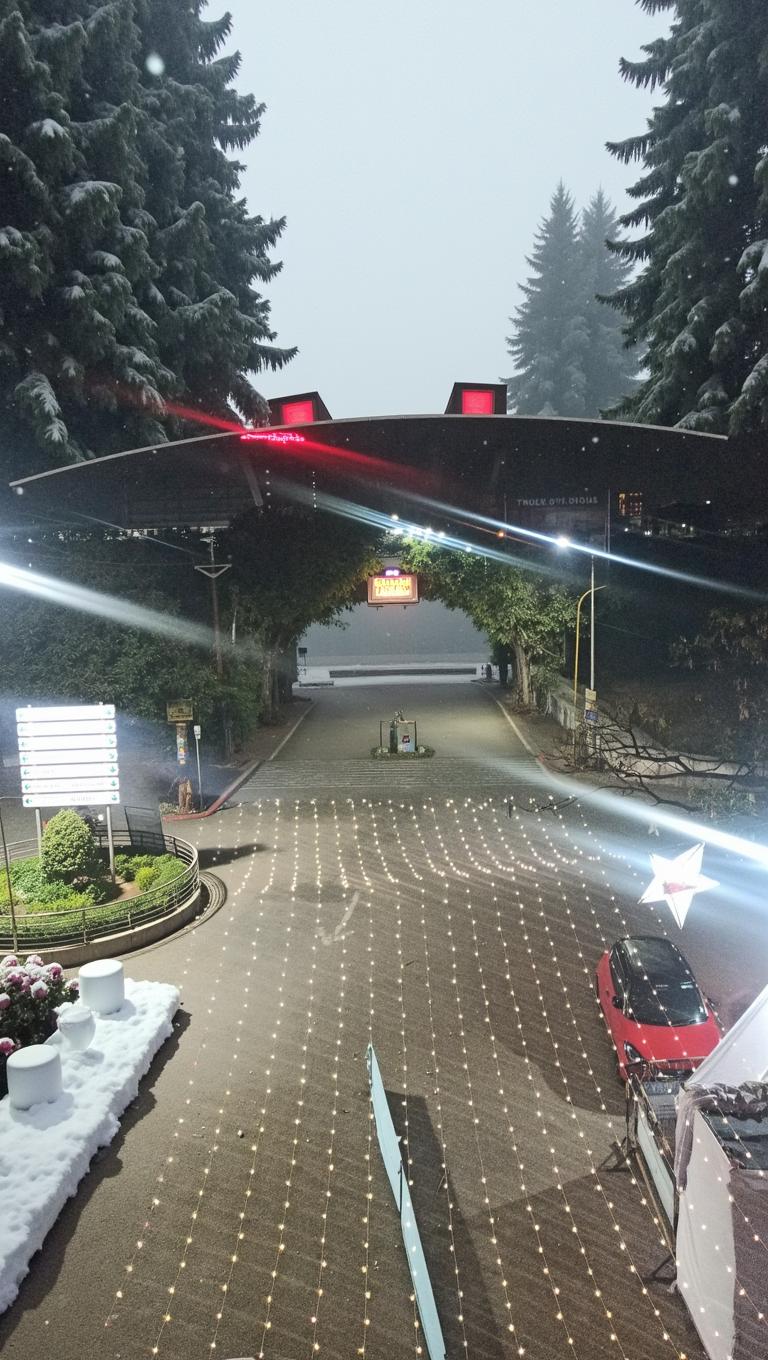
{"x":297,"y":412}
{"x":477,"y":403}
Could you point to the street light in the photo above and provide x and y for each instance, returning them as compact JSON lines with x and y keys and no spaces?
{"x":591,"y":593}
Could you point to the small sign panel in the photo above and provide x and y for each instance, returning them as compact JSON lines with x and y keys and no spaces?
{"x":179,"y":710}
{"x":403,"y":589}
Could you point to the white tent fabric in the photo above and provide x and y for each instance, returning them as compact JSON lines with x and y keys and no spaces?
{"x":715,"y":1234}
{"x":742,"y":1055}
{"x":706,"y":1256}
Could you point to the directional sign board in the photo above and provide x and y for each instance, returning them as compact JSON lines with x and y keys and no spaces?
{"x":68,"y":755}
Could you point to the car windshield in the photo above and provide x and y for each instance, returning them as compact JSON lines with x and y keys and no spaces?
{"x":662,"y":989}
{"x":677,"y":1002}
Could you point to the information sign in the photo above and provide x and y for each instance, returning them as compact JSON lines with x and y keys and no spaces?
{"x":179,"y":710}
{"x":68,"y":755}
{"x":399,"y":589}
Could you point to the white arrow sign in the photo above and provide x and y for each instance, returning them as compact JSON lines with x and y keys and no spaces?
{"x":96,"y":799}
{"x":71,"y":744}
{"x":65,"y":729}
{"x":68,"y":755}
{"x":68,"y":785}
{"x":45,"y":759}
{"x":65,"y":713}
{"x":87,"y":772}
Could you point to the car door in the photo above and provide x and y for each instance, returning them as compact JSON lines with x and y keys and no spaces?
{"x":617,"y":987}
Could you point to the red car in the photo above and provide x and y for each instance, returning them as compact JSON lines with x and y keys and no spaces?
{"x":653,"y":1007}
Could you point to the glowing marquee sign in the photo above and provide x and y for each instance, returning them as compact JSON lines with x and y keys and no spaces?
{"x":393,"y":589}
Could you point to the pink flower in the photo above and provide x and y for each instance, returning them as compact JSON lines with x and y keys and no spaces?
{"x":5,"y":1001}
{"x":15,"y":978}
{"x":55,"y":971}
{"x":39,"y":990}
{"x":74,"y":986}
{"x":35,"y":960}
{"x":7,"y":1046}
{"x":10,"y":961}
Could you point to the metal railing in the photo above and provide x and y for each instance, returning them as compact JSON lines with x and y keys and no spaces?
{"x":81,"y":924}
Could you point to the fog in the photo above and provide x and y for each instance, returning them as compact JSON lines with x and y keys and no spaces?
{"x":413,"y":147}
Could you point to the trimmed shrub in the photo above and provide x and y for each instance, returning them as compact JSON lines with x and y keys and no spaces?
{"x":69,"y":848}
{"x":125,"y":867}
{"x":145,"y":877}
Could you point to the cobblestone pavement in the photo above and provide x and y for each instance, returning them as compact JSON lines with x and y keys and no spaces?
{"x":243,"y":1209}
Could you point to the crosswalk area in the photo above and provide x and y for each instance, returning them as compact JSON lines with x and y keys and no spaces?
{"x":384,"y":779}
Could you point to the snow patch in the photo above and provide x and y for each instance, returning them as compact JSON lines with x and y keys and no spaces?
{"x":48,"y":127}
{"x":46,"y":1151}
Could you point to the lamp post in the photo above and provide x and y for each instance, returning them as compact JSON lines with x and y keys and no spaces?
{"x":591,"y":593}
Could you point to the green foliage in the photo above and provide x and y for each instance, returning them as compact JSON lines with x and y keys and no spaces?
{"x":145,"y":877}
{"x":514,"y":605}
{"x":68,"y":849}
{"x":291,"y":569}
{"x":733,"y":646}
{"x":130,"y":267}
{"x":698,"y":300}
{"x":609,"y":368}
{"x":549,"y":337}
{"x":124,"y":867}
{"x":567,"y":343}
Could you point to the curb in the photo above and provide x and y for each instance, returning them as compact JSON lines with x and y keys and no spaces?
{"x":241,"y":778}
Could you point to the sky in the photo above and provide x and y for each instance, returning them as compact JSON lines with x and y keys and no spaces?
{"x":413,"y":147}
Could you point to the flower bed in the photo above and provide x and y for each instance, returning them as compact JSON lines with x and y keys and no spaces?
{"x":29,"y":995}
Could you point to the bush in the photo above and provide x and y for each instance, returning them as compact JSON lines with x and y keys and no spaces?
{"x":145,"y":877}
{"x":125,"y":867}
{"x":69,"y":848}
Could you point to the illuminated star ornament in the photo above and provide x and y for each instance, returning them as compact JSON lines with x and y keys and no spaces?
{"x":676,"y":881}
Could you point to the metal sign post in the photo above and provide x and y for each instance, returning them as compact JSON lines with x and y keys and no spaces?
{"x":111,"y":844}
{"x":197,"y":731}
{"x":11,"y":903}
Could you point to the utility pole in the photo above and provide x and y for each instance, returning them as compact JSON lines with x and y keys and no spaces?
{"x":213,"y":570}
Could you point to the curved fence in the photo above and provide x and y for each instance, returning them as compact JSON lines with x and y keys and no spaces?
{"x":80,"y":925}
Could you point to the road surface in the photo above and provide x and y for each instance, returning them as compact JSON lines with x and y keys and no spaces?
{"x":449,"y":914}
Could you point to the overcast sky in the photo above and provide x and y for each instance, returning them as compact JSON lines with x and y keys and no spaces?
{"x":413,"y":146}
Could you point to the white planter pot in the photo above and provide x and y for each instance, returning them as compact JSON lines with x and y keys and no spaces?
{"x":102,"y":985}
{"x":77,"y":1026}
{"x":34,"y":1076}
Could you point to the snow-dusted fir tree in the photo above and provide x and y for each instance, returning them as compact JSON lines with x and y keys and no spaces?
{"x":609,"y":367}
{"x":112,"y":224}
{"x":213,"y":256}
{"x":699,"y":300}
{"x":548,"y":329}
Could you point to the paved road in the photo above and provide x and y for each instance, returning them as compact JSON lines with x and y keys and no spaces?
{"x":243,"y":1209}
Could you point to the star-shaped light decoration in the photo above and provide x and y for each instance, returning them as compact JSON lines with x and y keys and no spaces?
{"x":676,"y":881}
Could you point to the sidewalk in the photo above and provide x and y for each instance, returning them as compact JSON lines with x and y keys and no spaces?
{"x":221,"y":781}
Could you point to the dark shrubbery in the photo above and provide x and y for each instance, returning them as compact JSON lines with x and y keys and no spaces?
{"x":69,"y":850}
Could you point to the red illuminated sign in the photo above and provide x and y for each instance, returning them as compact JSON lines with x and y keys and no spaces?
{"x":477,"y":403}
{"x":297,"y":412}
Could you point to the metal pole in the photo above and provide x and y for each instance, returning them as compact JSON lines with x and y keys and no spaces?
{"x":199,"y":776}
{"x":39,"y":826}
{"x":592,"y":629}
{"x":111,"y":842}
{"x":14,"y":933}
{"x":216,"y":629}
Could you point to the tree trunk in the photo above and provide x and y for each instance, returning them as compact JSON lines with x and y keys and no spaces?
{"x":268,"y":686}
{"x":522,"y":675}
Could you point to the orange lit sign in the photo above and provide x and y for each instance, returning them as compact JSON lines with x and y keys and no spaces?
{"x":393,"y":589}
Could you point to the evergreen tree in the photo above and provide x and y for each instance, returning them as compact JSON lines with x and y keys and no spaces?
{"x":127,"y":259}
{"x":609,"y":368}
{"x":549,"y":332}
{"x":699,"y":300}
